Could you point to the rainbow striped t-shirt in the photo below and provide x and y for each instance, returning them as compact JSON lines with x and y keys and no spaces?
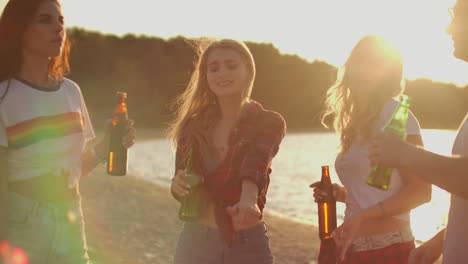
{"x":45,"y":130}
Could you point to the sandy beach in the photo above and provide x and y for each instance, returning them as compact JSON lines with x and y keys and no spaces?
{"x":131,"y":221}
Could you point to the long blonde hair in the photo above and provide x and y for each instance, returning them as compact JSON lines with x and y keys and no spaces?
{"x":197,"y":106}
{"x":355,"y":111}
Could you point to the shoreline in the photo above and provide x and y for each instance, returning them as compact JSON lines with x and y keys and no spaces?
{"x":129,"y":220}
{"x":165,"y":184}
{"x":144,"y":134}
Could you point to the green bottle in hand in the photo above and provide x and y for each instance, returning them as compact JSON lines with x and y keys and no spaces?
{"x":190,"y":205}
{"x":380,"y":176}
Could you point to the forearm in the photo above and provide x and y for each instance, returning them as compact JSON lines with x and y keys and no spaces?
{"x":249,"y":191}
{"x":439,"y":238}
{"x":403,"y":201}
{"x":413,"y":193}
{"x":449,"y":173}
{"x":92,"y":157}
{"x":174,"y":194}
{"x":340,"y":193}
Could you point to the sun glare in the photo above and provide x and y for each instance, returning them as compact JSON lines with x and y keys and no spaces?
{"x":313,"y":29}
{"x":417,"y":28}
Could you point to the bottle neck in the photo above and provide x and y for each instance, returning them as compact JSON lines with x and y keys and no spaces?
{"x":325,"y":182}
{"x":188,"y":164}
{"x":325,"y":171}
{"x":121,"y":97}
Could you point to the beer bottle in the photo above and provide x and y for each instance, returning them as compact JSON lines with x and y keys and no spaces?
{"x":117,"y":158}
{"x":189,"y":206}
{"x":326,"y":207}
{"x":380,"y":176}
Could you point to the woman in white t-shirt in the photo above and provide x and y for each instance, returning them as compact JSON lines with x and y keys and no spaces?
{"x":44,"y":128}
{"x":376,"y":228}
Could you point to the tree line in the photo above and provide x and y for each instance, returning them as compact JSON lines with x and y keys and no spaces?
{"x":153,"y":71}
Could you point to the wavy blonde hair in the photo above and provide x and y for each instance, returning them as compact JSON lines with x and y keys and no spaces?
{"x":198,"y":105}
{"x":355,"y":111}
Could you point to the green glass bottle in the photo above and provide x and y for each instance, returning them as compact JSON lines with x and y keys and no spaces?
{"x":190,"y":205}
{"x":380,"y":176}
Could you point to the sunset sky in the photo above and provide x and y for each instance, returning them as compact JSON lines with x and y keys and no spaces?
{"x":314,"y":29}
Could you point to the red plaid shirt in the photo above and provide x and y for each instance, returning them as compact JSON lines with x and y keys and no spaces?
{"x":252,"y":145}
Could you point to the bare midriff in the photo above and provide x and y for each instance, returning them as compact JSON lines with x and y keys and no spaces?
{"x":380,"y":226}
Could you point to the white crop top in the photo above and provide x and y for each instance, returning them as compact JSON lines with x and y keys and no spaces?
{"x":45,"y":131}
{"x":353,"y":167}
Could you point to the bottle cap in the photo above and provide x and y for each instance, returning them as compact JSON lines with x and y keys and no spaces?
{"x":122,"y":94}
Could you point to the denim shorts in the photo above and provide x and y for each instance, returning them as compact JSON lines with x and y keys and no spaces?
{"x":199,"y":244}
{"x":49,"y":233}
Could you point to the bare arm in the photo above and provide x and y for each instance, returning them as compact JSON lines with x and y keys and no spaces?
{"x":429,"y":251}
{"x":447,"y":172}
{"x":92,"y":157}
{"x":246,"y":213}
{"x":249,"y":192}
{"x":414,"y":193}
{"x":3,"y":194}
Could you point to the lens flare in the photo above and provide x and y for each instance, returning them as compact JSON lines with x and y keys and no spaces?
{"x":18,"y":256}
{"x":11,"y":255}
{"x":71,"y":216}
{"x":4,"y":248}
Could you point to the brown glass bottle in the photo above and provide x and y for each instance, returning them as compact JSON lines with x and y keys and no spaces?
{"x":326,"y":207}
{"x":118,"y":153}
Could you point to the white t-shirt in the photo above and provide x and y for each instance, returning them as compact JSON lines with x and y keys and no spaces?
{"x":45,"y":131}
{"x":353,"y":167}
{"x":456,"y":236}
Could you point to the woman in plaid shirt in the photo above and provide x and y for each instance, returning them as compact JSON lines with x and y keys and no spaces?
{"x":234,"y":140}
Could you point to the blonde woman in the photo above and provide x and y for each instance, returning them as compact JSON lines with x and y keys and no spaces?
{"x":234,"y":140}
{"x":376,"y":227}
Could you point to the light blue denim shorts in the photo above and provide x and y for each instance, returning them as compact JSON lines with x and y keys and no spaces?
{"x":49,"y":233}
{"x":199,"y":244}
